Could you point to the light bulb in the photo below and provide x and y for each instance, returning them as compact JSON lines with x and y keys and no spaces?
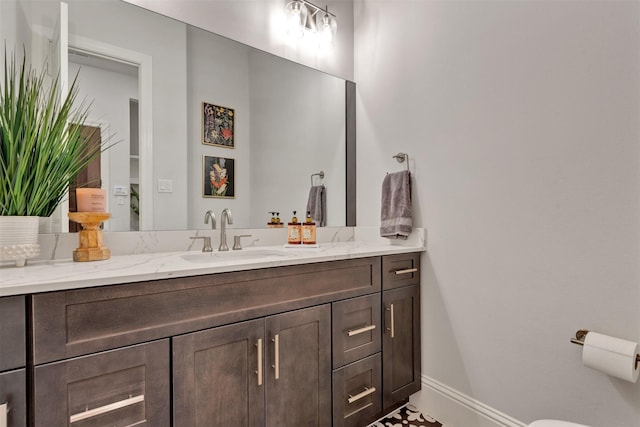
{"x":296,"y":19}
{"x":327,"y":26}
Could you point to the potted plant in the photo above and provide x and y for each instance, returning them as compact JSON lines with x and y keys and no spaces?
{"x":41,"y":153}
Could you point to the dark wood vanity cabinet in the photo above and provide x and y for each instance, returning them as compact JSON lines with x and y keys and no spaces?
{"x":13,"y":385}
{"x":266,"y":372}
{"x":401,"y":338}
{"x":320,"y":344}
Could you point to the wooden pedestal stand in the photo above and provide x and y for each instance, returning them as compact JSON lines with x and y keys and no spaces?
{"x":91,"y":248}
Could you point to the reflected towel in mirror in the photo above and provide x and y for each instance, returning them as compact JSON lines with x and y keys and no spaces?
{"x":317,"y":205}
{"x":396,"y":217}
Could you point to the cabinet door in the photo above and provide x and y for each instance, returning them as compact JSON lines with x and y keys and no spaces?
{"x":218,"y":377}
{"x":124,"y":387}
{"x":13,"y":398}
{"x":12,"y":333}
{"x":299,"y":368}
{"x":401,"y":344}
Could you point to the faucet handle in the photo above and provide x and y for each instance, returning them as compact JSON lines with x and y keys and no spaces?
{"x":236,"y":241}
{"x":207,"y":242}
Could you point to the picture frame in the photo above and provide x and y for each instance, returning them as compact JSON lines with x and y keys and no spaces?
{"x":218,"y":125}
{"x":218,"y":177}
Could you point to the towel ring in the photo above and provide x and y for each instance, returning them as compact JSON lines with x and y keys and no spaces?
{"x":320,"y":174}
{"x":401,"y":157}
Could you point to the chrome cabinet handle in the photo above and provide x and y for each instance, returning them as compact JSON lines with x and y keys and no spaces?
{"x":276,"y":366}
{"x":392,"y":329}
{"x":4,"y":411}
{"x":259,"y":371}
{"x":367,"y":391}
{"x":352,"y":332}
{"x":80,"y":416}
{"x":406,"y":271}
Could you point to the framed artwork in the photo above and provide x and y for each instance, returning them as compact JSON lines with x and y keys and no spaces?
{"x":218,"y":177}
{"x":217,"y":125}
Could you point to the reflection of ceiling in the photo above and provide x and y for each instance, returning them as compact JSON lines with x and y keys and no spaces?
{"x":108,"y":64}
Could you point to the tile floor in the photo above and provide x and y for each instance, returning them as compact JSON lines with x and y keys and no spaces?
{"x":407,"y":416}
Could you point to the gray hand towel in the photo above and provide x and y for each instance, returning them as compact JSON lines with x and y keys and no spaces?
{"x":396,"y":215}
{"x":317,"y":205}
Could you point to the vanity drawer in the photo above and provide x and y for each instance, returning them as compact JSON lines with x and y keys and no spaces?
{"x":356,"y":329}
{"x":13,"y":398}
{"x":77,"y":322}
{"x":124,"y":387}
{"x":357,"y":393}
{"x":12,"y":333}
{"x":400,"y":270}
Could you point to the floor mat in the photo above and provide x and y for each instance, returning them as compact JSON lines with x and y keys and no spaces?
{"x":407,"y":416}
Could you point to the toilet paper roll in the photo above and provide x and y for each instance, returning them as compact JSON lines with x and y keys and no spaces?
{"x":613,"y":356}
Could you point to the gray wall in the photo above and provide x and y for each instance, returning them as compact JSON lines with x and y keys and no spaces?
{"x":218,"y":73}
{"x":258,"y":23}
{"x":521,"y":120}
{"x":138,"y":31}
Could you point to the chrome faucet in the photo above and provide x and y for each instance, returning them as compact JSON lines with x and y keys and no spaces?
{"x":211,"y":215}
{"x":225,"y":218}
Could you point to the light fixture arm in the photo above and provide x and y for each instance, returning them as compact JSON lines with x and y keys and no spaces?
{"x":316,"y":9}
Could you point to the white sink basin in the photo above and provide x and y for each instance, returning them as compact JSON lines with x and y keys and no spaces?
{"x":244,"y":254}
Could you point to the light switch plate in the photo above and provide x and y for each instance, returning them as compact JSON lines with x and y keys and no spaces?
{"x":165,"y":186}
{"x":120,"y":190}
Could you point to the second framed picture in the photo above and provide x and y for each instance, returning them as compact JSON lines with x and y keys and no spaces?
{"x":218,"y":177}
{"x":217,"y":125}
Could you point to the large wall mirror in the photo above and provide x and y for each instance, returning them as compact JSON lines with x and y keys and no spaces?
{"x":157,"y":85}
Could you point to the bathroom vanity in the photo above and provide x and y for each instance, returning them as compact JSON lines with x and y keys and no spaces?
{"x":289,"y":342}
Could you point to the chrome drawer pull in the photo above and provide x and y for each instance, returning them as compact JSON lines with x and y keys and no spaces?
{"x":106,"y":408}
{"x":352,"y":332}
{"x":276,"y":366}
{"x":367,"y":391}
{"x":259,"y":371}
{"x":392,"y":329}
{"x":406,"y":271}
{"x":4,"y":411}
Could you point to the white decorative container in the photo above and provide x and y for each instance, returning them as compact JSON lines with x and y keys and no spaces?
{"x":19,"y":238}
{"x":46,"y":225}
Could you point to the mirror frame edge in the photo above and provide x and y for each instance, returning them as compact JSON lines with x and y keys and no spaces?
{"x":350,"y":122}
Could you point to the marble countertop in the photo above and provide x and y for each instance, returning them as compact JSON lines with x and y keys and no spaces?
{"x":43,"y":276}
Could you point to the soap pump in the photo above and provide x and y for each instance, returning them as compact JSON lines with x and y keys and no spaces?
{"x":272,"y":223}
{"x":293,"y":231}
{"x":309,"y":231}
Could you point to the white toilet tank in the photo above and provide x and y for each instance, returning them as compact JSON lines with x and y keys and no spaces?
{"x":554,"y":423}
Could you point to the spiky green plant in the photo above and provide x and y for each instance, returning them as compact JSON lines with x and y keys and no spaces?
{"x":41,"y":148}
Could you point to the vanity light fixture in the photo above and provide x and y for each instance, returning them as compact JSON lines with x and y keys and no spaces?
{"x":326,"y":26}
{"x":296,"y":18}
{"x":305,"y":19}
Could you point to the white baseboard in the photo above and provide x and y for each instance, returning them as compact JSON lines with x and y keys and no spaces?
{"x":456,"y":409}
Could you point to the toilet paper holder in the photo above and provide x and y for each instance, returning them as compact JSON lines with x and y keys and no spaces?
{"x":582,"y":333}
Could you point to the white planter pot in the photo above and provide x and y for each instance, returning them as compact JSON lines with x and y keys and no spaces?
{"x":46,"y":225}
{"x":19,"y":238}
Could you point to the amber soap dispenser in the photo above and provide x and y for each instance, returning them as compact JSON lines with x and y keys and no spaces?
{"x":294,"y":234}
{"x":309,"y":231}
